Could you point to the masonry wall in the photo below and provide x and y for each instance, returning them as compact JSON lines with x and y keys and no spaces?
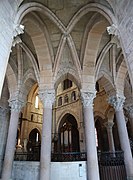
{"x":59,"y":170}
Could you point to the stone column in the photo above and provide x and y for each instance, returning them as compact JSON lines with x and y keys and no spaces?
{"x":109,"y":126}
{"x":47,"y":98}
{"x":15,"y":105}
{"x":4,"y":122}
{"x":117,"y":103}
{"x":129,"y":109}
{"x":92,"y":161}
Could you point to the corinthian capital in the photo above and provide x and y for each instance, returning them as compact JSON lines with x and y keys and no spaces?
{"x":87,"y":98}
{"x":129,"y":108}
{"x":16,"y":105}
{"x":47,"y":97}
{"x":117,"y":102}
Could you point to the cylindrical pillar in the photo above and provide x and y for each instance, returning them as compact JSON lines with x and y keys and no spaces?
{"x":15,"y":105}
{"x":109,"y":126}
{"x":4,"y":122}
{"x":48,"y":98}
{"x":117,"y":103}
{"x":92,"y":160}
{"x":129,"y":109}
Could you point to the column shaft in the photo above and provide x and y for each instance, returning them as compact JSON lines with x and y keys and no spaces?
{"x":92,"y":161}
{"x":10,"y":146}
{"x":46,"y":145}
{"x":111,"y":140}
{"x":124,"y":140}
{"x":47,"y":97}
{"x":109,"y":126}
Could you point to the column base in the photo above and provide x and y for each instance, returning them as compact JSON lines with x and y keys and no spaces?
{"x":130,"y":178}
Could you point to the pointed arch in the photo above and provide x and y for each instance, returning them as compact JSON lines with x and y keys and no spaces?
{"x":91,"y":51}
{"x":69,"y":76}
{"x":11,"y":79}
{"x":34,"y":6}
{"x":120,"y":79}
{"x":101,"y":58}
{"x":106,"y":81}
{"x":91,"y":7}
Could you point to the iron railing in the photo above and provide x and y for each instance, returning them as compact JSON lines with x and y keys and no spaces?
{"x":24,"y":156}
{"x":67,"y":157}
{"x":111,"y":166}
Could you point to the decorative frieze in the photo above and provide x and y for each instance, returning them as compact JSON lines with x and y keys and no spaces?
{"x":117,"y":102}
{"x":88,"y":98}
{"x":47,"y":97}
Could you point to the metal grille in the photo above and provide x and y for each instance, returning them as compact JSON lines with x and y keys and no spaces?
{"x":111,"y":166}
{"x":67,"y":157}
{"x":27,"y":156}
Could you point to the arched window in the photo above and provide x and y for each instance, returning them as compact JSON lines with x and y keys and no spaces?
{"x":67,"y":84}
{"x":68,"y":134}
{"x":73,"y":96}
{"x":34,"y":144}
{"x":36,"y":102}
{"x":66,"y":99}
{"x":60,"y":101}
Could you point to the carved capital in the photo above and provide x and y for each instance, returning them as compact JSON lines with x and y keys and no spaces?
{"x":117,"y":102}
{"x":129,"y":109}
{"x":3,"y":111}
{"x":16,"y":40}
{"x":16,"y":105}
{"x":109,"y":125}
{"x":113,"y":30}
{"x":18,"y":29}
{"x":47,"y":97}
{"x":87,"y":98}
